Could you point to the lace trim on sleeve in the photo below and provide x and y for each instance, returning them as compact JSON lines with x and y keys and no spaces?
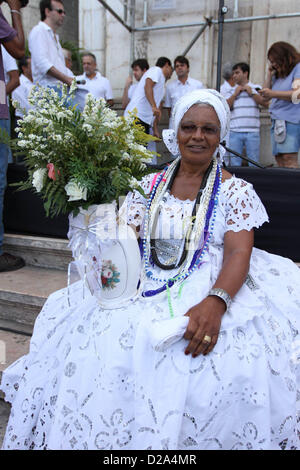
{"x":244,"y":209}
{"x":133,"y":209}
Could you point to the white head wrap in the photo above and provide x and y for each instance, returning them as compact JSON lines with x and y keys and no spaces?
{"x":207,"y":96}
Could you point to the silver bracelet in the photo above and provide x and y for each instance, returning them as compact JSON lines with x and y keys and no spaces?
{"x":222,"y":294}
{"x":16,"y":11}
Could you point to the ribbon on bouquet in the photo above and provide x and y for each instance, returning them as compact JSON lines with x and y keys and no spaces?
{"x":90,"y":234}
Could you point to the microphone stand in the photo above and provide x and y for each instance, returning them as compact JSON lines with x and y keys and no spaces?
{"x":163,"y":165}
{"x":242,"y":156}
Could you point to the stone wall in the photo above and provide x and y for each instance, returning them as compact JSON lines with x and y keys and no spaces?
{"x":248,"y":41}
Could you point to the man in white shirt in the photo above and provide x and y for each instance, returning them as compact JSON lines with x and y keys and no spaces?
{"x":139,"y":67}
{"x":244,"y":101}
{"x":48,"y":62}
{"x":96,"y":84}
{"x":149,"y":94}
{"x":184,"y":84}
{"x":21,"y":93}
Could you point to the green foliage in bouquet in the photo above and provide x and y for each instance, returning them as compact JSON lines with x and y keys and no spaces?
{"x":75,"y":159}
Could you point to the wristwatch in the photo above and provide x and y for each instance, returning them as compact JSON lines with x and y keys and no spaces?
{"x":222,"y":294}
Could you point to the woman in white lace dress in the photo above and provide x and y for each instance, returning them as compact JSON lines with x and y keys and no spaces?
{"x":108,"y":379}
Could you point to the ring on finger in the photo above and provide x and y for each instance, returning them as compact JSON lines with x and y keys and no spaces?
{"x":207,"y":339}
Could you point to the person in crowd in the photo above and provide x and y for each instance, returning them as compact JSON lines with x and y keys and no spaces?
{"x":11,"y":73}
{"x":281,"y":85}
{"x":21,"y":93}
{"x":11,"y":77}
{"x":149,"y":94}
{"x":96,"y":84}
{"x":205,"y":357}
{"x":227,"y":88}
{"x":68,"y":58}
{"x":12,"y":38}
{"x":47,"y":58}
{"x":139,"y":67}
{"x":229,"y":83}
{"x":182,"y":85}
{"x":244,"y":101}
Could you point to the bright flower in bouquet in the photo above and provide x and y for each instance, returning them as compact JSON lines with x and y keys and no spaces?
{"x":75,"y":159}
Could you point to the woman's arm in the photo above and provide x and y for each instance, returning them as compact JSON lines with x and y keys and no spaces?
{"x":268,"y":94}
{"x":206,"y":317}
{"x":149,"y":85}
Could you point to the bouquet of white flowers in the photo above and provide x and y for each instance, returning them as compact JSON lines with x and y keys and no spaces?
{"x":79,"y":159}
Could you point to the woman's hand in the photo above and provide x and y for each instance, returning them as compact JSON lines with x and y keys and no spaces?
{"x":205,"y":320}
{"x":266,"y":93}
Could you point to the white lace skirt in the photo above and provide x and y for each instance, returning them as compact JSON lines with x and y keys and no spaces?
{"x":92,"y":379}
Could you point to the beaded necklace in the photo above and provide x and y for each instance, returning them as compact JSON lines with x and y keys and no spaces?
{"x":199,"y":226}
{"x":193,"y":217}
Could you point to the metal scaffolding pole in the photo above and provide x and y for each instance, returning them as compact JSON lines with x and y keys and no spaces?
{"x":197,"y":36}
{"x":229,"y":20}
{"x":222,"y":12}
{"x":264,"y":17}
{"x":220,"y":21}
{"x":115,"y":15}
{"x":199,"y":23}
{"x":132,"y":35}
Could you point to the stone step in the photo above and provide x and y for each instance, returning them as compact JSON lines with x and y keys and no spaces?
{"x":24,"y":292}
{"x":4,"y":415}
{"x":12,"y":347}
{"x":39,"y":251}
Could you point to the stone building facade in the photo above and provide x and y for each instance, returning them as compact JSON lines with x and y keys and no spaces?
{"x":93,"y":28}
{"x":243,"y":41}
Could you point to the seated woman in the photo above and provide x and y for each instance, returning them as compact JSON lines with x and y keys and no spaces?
{"x":225,"y":378}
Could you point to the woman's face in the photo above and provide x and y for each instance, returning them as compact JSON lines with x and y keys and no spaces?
{"x":199,"y":134}
{"x":274,"y":64}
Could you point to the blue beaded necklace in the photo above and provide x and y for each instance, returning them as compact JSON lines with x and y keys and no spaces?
{"x":199,"y":253}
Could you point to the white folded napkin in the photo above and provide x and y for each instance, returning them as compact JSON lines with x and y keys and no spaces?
{"x":280,"y":131}
{"x":164,"y":333}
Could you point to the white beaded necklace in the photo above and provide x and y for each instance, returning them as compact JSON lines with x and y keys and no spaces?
{"x":194,"y":230}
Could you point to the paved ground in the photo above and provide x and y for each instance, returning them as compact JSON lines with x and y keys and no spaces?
{"x":4,"y":414}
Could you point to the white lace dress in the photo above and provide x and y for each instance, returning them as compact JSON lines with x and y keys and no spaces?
{"x":92,"y":379}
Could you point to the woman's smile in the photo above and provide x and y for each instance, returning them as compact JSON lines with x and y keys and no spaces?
{"x":196,"y":147}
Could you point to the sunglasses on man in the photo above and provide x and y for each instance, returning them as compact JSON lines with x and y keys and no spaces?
{"x":60,"y":11}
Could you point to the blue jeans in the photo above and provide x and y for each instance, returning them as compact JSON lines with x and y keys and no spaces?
{"x":291,"y":143}
{"x":249,"y":140}
{"x":4,"y":154}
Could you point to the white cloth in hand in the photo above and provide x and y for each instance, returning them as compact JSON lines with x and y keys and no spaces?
{"x":164,"y":333}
